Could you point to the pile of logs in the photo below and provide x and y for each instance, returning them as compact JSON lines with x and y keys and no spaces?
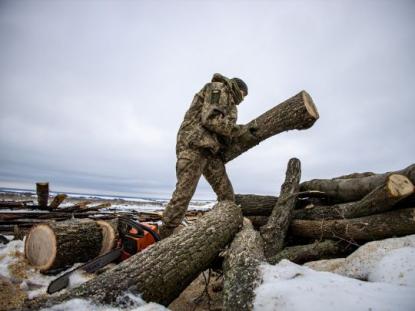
{"x":308,"y":221}
{"x":18,"y":216}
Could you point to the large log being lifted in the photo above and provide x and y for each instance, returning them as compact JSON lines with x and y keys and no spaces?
{"x":375,"y":227}
{"x":61,"y":244}
{"x":164,"y":270}
{"x":297,"y":112}
{"x":353,"y":189}
{"x":383,"y":198}
{"x":275,"y":230}
{"x":241,"y":269}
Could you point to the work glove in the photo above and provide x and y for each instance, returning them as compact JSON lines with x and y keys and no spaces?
{"x":248,"y":134}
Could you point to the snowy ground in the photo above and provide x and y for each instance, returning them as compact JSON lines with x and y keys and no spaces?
{"x":390,"y":270}
{"x":387,"y":268}
{"x":291,"y":287}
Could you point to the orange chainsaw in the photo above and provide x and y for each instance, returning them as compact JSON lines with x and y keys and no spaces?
{"x":134,"y":237}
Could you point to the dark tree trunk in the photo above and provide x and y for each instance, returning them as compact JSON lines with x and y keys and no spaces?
{"x":161,"y":272}
{"x":256,"y":205}
{"x":262,"y":205}
{"x":381,"y":199}
{"x":275,"y":230}
{"x":57,"y":245}
{"x":375,"y":227}
{"x":241,"y":267}
{"x":297,"y":112}
{"x":315,"y":251}
{"x":42,"y":191}
{"x":353,"y":189}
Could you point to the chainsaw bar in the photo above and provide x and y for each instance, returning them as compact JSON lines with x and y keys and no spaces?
{"x":90,"y":267}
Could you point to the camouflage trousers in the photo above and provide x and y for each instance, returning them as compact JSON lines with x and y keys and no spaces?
{"x":191,"y":164}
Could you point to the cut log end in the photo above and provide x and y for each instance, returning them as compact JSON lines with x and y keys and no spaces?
{"x":310,"y":106}
{"x":399,"y":185}
{"x":40,"y":247}
{"x":109,"y":237}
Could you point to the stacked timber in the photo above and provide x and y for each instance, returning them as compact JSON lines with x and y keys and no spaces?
{"x":355,"y":208}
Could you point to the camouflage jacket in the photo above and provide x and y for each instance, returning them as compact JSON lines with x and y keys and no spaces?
{"x":210,"y":122}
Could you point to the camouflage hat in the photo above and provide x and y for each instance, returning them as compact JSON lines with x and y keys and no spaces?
{"x":242,"y":85}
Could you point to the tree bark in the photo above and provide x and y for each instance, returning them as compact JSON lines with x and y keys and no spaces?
{"x":353,"y":189}
{"x":381,"y":199}
{"x":275,"y":230}
{"x":297,"y":112}
{"x":262,"y":205}
{"x":241,"y":267}
{"x":315,"y":251}
{"x":375,"y":227}
{"x":57,"y":245}
{"x":162,"y":271}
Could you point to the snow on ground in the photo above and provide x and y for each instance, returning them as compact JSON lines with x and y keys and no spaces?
{"x":396,"y":267}
{"x":135,"y":304}
{"x":291,"y":287}
{"x":373,"y":258}
{"x":13,"y":266}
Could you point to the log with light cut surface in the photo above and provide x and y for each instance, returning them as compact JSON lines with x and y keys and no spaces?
{"x":110,"y":235}
{"x":383,"y":198}
{"x":297,"y":112}
{"x":353,"y":189}
{"x":56,"y":245}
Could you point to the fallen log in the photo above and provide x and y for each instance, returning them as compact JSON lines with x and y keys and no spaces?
{"x":256,"y":205}
{"x":262,"y":205}
{"x":381,"y":199}
{"x":240,"y":269}
{"x":15,"y":204}
{"x":275,"y":230}
{"x":57,"y":200}
{"x":300,"y":254}
{"x":353,"y":189}
{"x":164,"y":270}
{"x":374,"y":227}
{"x":297,"y":112}
{"x":61,"y":244}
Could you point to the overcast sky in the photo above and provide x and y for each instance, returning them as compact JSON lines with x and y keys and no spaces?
{"x":92,"y":92}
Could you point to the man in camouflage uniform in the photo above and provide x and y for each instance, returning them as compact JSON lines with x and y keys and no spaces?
{"x":208,"y":126}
